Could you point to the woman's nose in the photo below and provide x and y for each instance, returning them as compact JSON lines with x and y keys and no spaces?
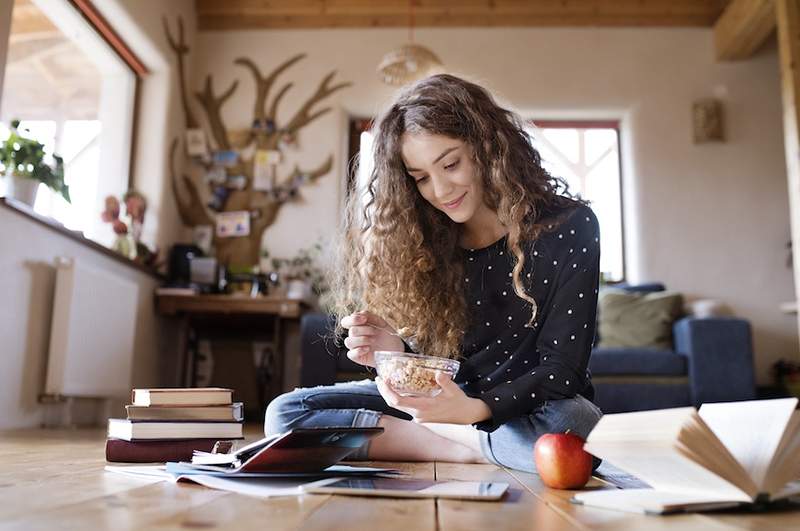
{"x":442,"y":187}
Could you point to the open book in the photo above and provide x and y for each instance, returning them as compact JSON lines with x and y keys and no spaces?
{"x":725,"y":454}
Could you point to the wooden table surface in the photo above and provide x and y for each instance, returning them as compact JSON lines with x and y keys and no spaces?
{"x":54,"y":479}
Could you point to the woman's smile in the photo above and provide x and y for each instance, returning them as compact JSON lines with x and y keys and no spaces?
{"x":456,"y":203}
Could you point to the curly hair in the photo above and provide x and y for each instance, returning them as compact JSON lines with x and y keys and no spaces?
{"x":399,"y":255}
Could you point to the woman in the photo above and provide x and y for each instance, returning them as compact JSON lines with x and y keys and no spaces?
{"x":466,"y":248}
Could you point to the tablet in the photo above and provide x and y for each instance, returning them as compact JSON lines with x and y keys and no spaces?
{"x":409,"y":488}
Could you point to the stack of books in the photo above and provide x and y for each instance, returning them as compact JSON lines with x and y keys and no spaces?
{"x":170,"y":424}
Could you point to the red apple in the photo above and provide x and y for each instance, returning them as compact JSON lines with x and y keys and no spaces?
{"x":561,"y":461}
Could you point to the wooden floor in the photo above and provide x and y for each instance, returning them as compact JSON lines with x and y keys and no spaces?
{"x":54,"y":479}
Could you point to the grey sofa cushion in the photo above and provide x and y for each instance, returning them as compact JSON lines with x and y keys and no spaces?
{"x":637,"y":320}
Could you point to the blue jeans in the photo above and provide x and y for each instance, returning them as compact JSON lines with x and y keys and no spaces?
{"x":360,"y":404}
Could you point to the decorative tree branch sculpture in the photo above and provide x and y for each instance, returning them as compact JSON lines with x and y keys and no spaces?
{"x":265,"y":134}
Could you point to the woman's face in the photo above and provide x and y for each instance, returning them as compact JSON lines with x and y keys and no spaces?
{"x":445,"y":174}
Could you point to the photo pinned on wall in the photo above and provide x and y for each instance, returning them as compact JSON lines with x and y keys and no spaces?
{"x":237,"y":182}
{"x":196,"y":143}
{"x":219,"y":194}
{"x":202,"y":236}
{"x":225,"y":158}
{"x":264,"y":164}
{"x":264,"y":125}
{"x":216,"y":175}
{"x":232,"y":224}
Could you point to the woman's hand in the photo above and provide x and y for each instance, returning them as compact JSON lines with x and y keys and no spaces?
{"x":367,"y":333}
{"x":451,"y":406}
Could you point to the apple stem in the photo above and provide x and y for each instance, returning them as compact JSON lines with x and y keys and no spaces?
{"x":566,"y":432}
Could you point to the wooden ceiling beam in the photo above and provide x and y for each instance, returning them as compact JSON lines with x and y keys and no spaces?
{"x":298,"y":14}
{"x":742,"y":28}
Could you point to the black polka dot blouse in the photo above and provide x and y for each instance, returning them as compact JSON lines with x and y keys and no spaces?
{"x":514,"y":368}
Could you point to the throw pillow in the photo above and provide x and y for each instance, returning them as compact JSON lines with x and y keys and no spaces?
{"x":637,"y":320}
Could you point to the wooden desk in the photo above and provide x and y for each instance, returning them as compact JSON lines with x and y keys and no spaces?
{"x":54,"y":479}
{"x":194,"y":310}
{"x":229,"y":305}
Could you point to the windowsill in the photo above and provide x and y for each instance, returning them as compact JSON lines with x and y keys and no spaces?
{"x":24,"y":210}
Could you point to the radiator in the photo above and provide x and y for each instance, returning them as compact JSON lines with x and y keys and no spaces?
{"x":92,"y":333}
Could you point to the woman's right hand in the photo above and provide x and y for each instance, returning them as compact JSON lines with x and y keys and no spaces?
{"x":367,"y":333}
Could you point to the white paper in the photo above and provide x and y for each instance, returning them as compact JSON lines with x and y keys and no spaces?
{"x":231,"y":224}
{"x":264,"y":169}
{"x":196,"y":142}
{"x":151,"y":472}
{"x":260,"y":487}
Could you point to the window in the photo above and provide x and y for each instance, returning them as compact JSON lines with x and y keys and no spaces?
{"x":72,"y":84}
{"x":586,"y":155}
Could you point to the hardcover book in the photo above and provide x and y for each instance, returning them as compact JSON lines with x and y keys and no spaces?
{"x":182,"y":396}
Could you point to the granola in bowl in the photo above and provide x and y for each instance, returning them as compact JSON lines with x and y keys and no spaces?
{"x":413,"y":374}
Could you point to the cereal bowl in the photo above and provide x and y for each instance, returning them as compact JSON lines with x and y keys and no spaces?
{"x":413,"y":374}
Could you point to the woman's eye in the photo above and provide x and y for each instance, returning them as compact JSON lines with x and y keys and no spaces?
{"x":421,"y":180}
{"x":451,"y":165}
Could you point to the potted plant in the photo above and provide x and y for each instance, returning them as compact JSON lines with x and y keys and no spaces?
{"x":22,"y":161}
{"x":301,"y":275}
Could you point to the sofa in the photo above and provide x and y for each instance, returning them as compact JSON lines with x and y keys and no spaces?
{"x":712,"y":361}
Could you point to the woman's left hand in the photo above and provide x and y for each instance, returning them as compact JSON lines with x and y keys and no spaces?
{"x":450,"y":406}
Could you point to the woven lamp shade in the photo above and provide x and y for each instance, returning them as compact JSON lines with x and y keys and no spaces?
{"x":407,"y":64}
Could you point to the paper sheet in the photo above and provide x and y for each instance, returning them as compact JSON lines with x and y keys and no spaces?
{"x":250,"y":486}
{"x":260,"y":487}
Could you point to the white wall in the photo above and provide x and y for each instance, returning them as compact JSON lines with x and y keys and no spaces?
{"x":27,"y":279}
{"x":709,"y":221}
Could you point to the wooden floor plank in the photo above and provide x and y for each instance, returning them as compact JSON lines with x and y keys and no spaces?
{"x":519,"y":510}
{"x":54,"y":480}
{"x":594,"y":518}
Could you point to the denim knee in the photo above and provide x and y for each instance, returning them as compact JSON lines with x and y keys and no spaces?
{"x":282,"y":411}
{"x":578,"y":415}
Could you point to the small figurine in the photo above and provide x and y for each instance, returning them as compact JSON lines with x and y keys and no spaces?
{"x":123,"y":244}
{"x":128,"y":241}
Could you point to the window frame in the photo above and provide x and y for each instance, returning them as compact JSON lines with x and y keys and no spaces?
{"x":359,"y":125}
{"x":89,"y":12}
{"x":597,"y":124}
{"x":98,"y":22}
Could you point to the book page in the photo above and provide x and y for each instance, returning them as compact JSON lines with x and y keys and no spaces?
{"x":644,"y":426}
{"x":648,"y":501}
{"x":665,"y":468}
{"x":697,"y":442}
{"x":785,"y":465}
{"x":750,"y":430}
{"x":788,"y":490}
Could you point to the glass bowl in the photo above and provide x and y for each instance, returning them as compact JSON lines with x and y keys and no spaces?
{"x":413,"y":374}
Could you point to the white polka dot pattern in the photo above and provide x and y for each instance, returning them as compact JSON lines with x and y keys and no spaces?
{"x":500,"y":354}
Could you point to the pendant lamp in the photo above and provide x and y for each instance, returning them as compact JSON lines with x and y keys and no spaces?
{"x":409,"y":62}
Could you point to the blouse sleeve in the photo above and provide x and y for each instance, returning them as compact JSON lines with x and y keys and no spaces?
{"x":567,"y":331}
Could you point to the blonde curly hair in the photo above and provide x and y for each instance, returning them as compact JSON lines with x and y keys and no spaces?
{"x":398,"y":256}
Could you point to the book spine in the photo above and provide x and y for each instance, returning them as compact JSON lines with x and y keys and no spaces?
{"x":121,"y":451}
